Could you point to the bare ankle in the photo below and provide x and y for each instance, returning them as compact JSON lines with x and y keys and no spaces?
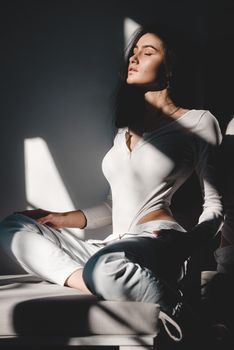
{"x":75,"y":280}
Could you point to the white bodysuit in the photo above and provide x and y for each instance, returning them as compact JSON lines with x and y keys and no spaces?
{"x":146,"y":178}
{"x":141,"y":181}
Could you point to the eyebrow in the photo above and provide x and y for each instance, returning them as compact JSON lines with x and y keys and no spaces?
{"x":145,"y":46}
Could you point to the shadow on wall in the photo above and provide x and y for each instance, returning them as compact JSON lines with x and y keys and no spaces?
{"x":59,"y":68}
{"x":61,"y":62}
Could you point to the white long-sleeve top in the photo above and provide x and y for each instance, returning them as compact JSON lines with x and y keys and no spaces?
{"x":145,"y":179}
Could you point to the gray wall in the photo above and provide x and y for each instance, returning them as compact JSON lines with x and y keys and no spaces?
{"x":59,"y":69}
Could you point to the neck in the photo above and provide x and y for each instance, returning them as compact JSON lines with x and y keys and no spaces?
{"x":159,"y":102}
{"x":159,"y":110}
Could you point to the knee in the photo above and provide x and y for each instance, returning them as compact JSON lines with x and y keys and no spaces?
{"x":112,"y":276}
{"x":104,"y":275}
{"x":15,"y":231}
{"x":12,"y":239}
{"x":7,"y":228}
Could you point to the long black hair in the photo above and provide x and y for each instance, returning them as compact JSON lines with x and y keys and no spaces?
{"x":130,"y":104}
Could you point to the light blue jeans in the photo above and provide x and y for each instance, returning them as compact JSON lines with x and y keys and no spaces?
{"x":140,"y":268}
{"x":52,"y":255}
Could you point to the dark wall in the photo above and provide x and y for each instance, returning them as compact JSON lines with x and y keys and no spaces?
{"x":59,"y":69}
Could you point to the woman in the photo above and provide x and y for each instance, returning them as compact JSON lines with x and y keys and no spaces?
{"x":156,"y":148}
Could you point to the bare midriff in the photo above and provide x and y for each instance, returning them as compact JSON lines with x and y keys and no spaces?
{"x":159,"y":214}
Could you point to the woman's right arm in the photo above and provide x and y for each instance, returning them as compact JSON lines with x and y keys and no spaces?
{"x":90,"y":218}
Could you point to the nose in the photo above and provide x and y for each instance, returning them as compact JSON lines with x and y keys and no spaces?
{"x":133,"y":58}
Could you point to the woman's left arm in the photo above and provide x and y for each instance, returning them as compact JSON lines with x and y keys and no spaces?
{"x":208,"y":138}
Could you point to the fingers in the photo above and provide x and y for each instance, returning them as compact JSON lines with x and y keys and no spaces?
{"x":157,"y":232}
{"x":44,"y":219}
{"x":49,"y":220}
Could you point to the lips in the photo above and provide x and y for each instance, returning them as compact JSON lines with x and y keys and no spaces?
{"x":132,"y":69}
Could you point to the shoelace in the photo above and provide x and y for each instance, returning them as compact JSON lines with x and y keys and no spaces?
{"x":177,"y":309}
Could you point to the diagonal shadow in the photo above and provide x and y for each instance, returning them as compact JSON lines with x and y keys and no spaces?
{"x":81,"y":316}
{"x":175,"y":145}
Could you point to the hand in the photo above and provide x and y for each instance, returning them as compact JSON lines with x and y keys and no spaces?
{"x":52,"y":219}
{"x":75,"y":218}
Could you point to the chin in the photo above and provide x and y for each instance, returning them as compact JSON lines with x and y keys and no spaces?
{"x":131,"y":81}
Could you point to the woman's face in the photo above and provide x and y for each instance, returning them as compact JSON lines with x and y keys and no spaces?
{"x":146,"y":61}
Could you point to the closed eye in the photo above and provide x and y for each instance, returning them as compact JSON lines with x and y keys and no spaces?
{"x":148,"y":51}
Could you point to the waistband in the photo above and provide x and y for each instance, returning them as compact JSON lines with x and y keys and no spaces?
{"x":152,"y":225}
{"x":146,"y":229}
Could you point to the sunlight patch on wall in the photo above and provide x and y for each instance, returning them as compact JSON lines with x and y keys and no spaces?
{"x":44,"y":186}
{"x":129,"y":28}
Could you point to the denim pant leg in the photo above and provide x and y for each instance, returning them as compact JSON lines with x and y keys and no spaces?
{"x":29,"y":247}
{"x":133,"y":269}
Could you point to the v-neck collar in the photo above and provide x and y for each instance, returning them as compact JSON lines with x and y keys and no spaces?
{"x":147,"y":135}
